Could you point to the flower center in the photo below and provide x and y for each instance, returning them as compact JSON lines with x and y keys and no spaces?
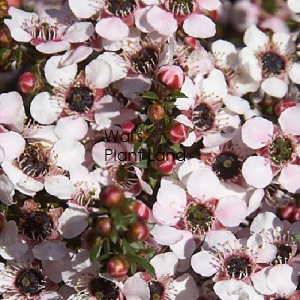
{"x":180,"y":7}
{"x":281,"y":151}
{"x":199,"y":218}
{"x":238,"y":266}
{"x":80,"y":99}
{"x":30,"y":282}
{"x":272,"y":63}
{"x":226,"y":165}
{"x":103,"y":289}
{"x":123,"y":175}
{"x":121,"y":8}
{"x":203,"y":117}
{"x":37,"y":226}
{"x":156,"y":290}
{"x":145,"y":60}
{"x":284,"y":253}
{"x":33,"y":162}
{"x":42,"y":31}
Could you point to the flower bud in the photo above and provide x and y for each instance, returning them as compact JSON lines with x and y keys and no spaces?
{"x":282,"y":105}
{"x":111,"y":196}
{"x":172,"y":76}
{"x":142,"y":210}
{"x":30,"y":83}
{"x":176,"y":132}
{"x":103,"y":226}
{"x":128,"y":126}
{"x":3,"y":8}
{"x":137,"y":231}
{"x":289,"y":212}
{"x":5,"y":37}
{"x":5,"y":55}
{"x":156,"y":112}
{"x":118,"y":266}
{"x":166,"y":166}
{"x":89,"y":238}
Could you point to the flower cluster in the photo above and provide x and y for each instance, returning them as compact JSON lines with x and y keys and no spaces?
{"x":150,"y":149}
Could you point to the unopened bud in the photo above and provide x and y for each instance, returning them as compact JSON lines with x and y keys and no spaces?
{"x":30,"y":83}
{"x":5,"y":37}
{"x":118,"y":266}
{"x":176,"y":132}
{"x":156,"y":112}
{"x":172,"y":76}
{"x":282,"y":105}
{"x":3,"y":8}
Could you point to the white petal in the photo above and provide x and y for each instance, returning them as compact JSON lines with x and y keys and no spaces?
{"x":164,"y":264}
{"x":56,"y":74}
{"x":141,"y":20}
{"x":53,"y":269}
{"x":18,"y":249}
{"x":50,"y":47}
{"x":135,"y":288}
{"x":187,"y":287}
{"x":7,"y":190}
{"x":289,"y":120}
{"x":294,"y":73}
{"x":112,"y":28}
{"x":83,"y":9}
{"x":199,"y":26}
{"x":17,"y":33}
{"x":225,"y":53}
{"x":12,"y":143}
{"x":76,"y":55}
{"x":185,"y":247}
{"x":257,"y":171}
{"x":72,"y":222}
{"x":250,"y":64}
{"x":79,"y":32}
{"x":274,"y":87}
{"x":72,"y":127}
{"x":9,"y":233}
{"x":255,"y":39}
{"x":215,"y":84}
{"x":284,"y":43}
{"x":68,"y":153}
{"x":204,"y":263}
{"x":59,"y":186}
{"x":294,"y":5}
{"x":103,"y":71}
{"x":236,"y":104}
{"x":49,"y":250}
{"x":289,"y":178}
{"x":165,"y":235}
{"x":43,"y":109}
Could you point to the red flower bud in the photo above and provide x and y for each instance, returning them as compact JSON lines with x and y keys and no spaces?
{"x":282,"y":105}
{"x":30,"y":83}
{"x":176,"y":132}
{"x":89,"y":239}
{"x":128,"y":127}
{"x":156,"y":112}
{"x":289,"y":212}
{"x":138,"y":231}
{"x":111,"y":196}
{"x":103,"y":226}
{"x":118,"y":266}
{"x":172,"y":76}
{"x":167,"y":165}
{"x":142,"y":210}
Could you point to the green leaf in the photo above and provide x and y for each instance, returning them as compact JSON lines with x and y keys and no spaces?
{"x":179,"y":95}
{"x":296,"y":236}
{"x":137,"y":146}
{"x":176,"y":147}
{"x":174,"y":175}
{"x":143,"y":164}
{"x":148,"y":95}
{"x":162,"y":139}
{"x":95,"y":252}
{"x":143,"y":262}
{"x":18,"y":56}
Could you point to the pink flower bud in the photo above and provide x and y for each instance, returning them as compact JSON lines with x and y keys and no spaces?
{"x":142,"y":210}
{"x":128,"y":126}
{"x":282,"y":105}
{"x":166,"y":166}
{"x":117,"y":266}
{"x":172,"y":76}
{"x":30,"y":83}
{"x":177,"y":132}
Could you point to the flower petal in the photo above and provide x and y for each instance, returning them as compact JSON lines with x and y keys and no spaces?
{"x":289,"y":120}
{"x":274,"y":87}
{"x":199,"y":26}
{"x":255,"y":39}
{"x":112,"y":28}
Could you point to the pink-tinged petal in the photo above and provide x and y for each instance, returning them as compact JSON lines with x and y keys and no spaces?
{"x":226,"y":211}
{"x":112,"y":28}
{"x":199,"y":26}
{"x":257,"y":132}
{"x":51,"y":47}
{"x":43,"y":109}
{"x":53,"y":270}
{"x":255,"y":39}
{"x":168,"y":217}
{"x":284,"y":43}
{"x":7,"y":190}
{"x":76,"y":55}
{"x":68,"y":153}
{"x":144,"y":185}
{"x":294,"y":5}
{"x":162,"y":21}
{"x":185,"y":247}
{"x":118,"y":69}
{"x":289,"y":120}
{"x":102,"y":157}
{"x":257,"y":171}
{"x":255,"y":200}
{"x":274,"y":87}
{"x":56,"y":74}
{"x":103,"y":71}
{"x":72,"y":127}
{"x":171,"y":196}
{"x":50,"y":250}
{"x":12,"y":143}
{"x":17,"y":32}
{"x":131,"y":85}
{"x":294,"y":73}
{"x":289,"y":178}
{"x":84,"y":9}
{"x":236,"y":104}
{"x":282,"y":279}
{"x":264,"y":221}
{"x":59,"y":186}
{"x":164,"y":264}
{"x":216,"y":239}
{"x":16,"y":250}
{"x":135,"y":288}
{"x":9,"y":233}
{"x":203,"y":184}
{"x":79,"y":32}
{"x":165,"y":235}
{"x":141,"y":22}
{"x":259,"y":281}
{"x":20,"y":16}
{"x":72,"y":222}
{"x":205,"y":263}
{"x":187,"y":287}
{"x":209,"y":4}
{"x":12,"y":111}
